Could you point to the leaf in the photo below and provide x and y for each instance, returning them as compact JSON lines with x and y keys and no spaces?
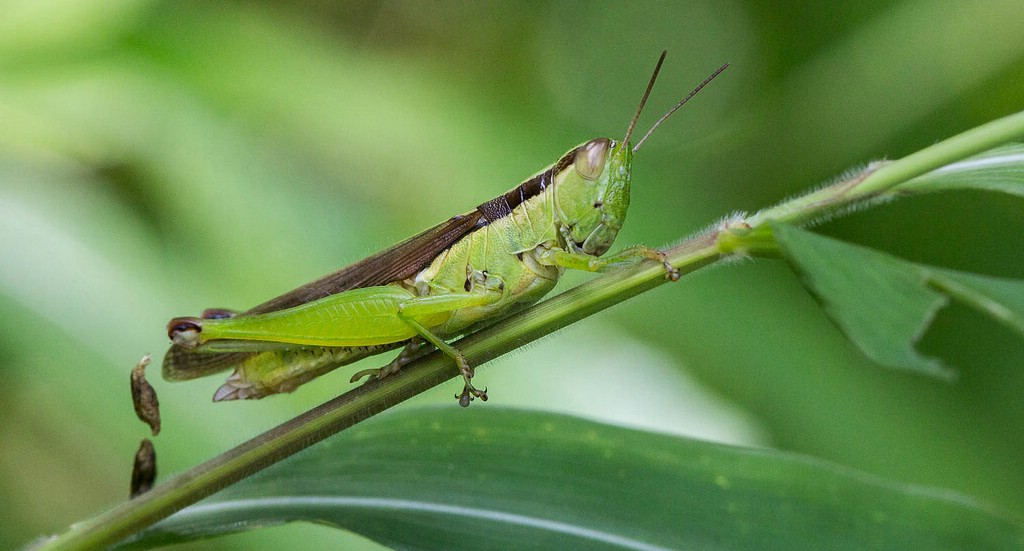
{"x":1002,"y":299}
{"x":883,"y":303}
{"x":880,"y":302}
{"x":444,"y":478}
{"x":1000,"y":169}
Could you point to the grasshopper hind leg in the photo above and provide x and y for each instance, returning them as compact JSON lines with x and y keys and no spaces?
{"x":415,"y":348}
{"x":418,"y":347}
{"x":469,"y":392}
{"x":414,"y":312}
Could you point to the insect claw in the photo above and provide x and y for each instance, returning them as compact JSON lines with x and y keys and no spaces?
{"x":671,"y":273}
{"x":470,"y":393}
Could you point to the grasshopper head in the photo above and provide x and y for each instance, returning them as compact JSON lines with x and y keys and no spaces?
{"x":592,"y":191}
{"x":592,"y":195}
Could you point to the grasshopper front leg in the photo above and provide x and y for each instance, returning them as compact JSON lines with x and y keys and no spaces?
{"x":588,"y":263}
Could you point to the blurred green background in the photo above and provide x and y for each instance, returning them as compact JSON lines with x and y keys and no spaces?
{"x":158,"y":158}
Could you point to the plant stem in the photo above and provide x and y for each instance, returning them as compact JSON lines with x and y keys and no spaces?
{"x":875,"y":181}
{"x":750,"y":236}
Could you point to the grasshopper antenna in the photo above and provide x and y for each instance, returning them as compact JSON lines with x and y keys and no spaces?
{"x":673,"y":110}
{"x":643,"y":100}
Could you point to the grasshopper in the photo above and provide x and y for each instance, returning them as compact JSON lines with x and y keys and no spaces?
{"x":464,"y":273}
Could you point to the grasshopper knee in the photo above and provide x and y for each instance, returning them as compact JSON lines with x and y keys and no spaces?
{"x":185,"y":331}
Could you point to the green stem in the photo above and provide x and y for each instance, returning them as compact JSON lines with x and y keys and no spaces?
{"x":878,"y":180}
{"x":751,"y":235}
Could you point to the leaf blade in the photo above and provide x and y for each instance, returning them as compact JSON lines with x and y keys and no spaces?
{"x":866,"y":312}
{"x":1001,"y":299}
{"x":1000,"y":169}
{"x":440,"y":479}
{"x":884,"y":303}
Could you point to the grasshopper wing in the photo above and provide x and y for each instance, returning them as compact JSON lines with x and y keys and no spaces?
{"x":392,"y":264}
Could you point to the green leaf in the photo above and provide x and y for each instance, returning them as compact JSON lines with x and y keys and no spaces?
{"x":879,"y":301}
{"x":883,"y":303}
{"x":1000,"y":169}
{"x":444,"y":478}
{"x":1002,"y":299}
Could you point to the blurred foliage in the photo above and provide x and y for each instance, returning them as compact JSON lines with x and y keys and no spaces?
{"x":160,"y":158}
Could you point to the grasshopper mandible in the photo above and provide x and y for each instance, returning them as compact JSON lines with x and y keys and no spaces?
{"x":470,"y":270}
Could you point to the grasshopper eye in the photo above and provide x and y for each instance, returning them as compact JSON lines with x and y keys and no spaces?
{"x":590,"y":157}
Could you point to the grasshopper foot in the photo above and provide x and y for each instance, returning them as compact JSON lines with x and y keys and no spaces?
{"x":671,"y":273}
{"x":469,"y":392}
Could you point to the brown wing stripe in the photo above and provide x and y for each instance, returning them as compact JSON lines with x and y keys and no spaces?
{"x":503,"y":205}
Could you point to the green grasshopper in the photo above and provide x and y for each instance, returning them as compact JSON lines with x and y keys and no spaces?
{"x":462,"y":274}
